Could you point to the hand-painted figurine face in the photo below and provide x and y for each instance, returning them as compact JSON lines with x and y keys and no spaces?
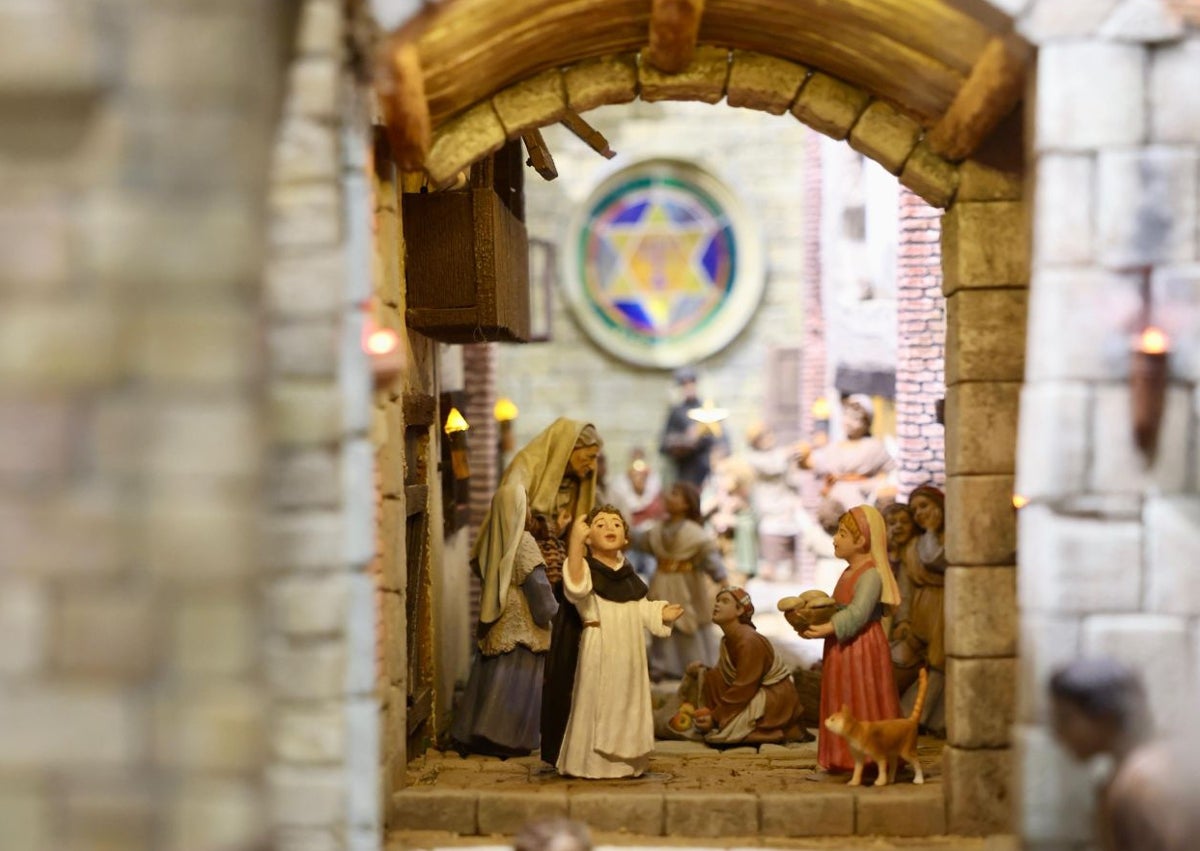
{"x":926,"y":512}
{"x":725,"y":609}
{"x":583,"y":461}
{"x":847,"y":541}
{"x":899,"y":527}
{"x":607,"y":533}
{"x":855,"y":421}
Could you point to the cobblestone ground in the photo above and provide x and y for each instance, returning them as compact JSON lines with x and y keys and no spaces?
{"x":692,"y":795}
{"x":690,"y":790}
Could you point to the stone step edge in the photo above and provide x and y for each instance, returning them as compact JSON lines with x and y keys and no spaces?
{"x":897,"y":812}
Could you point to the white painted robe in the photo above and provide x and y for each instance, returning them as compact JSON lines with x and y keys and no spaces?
{"x":610,"y":732}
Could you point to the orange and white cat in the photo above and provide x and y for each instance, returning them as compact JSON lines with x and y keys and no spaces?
{"x":886,"y":742}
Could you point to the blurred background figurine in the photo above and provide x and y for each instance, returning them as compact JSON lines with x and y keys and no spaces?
{"x":1151,"y":799}
{"x":854,"y":468}
{"x":774,"y":496}
{"x":688,"y":564}
{"x":686,"y":442}
{"x":726,"y":505}
{"x":639,"y":494}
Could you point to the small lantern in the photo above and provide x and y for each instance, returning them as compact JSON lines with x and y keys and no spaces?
{"x":1148,"y":387}
{"x":456,"y":435}
{"x":709,"y":416}
{"x":505,"y":411}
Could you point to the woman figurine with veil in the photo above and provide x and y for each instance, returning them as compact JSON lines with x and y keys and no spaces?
{"x":857,"y":663}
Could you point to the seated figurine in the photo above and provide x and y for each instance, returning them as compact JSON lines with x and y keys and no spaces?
{"x":748,"y":698}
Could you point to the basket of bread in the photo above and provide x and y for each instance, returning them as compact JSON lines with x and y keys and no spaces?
{"x":809,"y":609}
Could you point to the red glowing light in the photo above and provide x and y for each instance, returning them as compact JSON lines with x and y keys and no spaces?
{"x":382,"y":342}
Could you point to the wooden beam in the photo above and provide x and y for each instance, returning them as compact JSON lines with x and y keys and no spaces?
{"x":994,"y":86}
{"x":405,"y":109}
{"x":674,"y":26}
{"x":592,"y":137}
{"x":540,"y":157}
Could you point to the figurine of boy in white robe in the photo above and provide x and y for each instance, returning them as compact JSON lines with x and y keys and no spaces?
{"x":610,"y":729}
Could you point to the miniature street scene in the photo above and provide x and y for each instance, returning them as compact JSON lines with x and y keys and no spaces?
{"x":557,"y":425}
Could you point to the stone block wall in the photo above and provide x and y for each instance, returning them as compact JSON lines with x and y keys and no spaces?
{"x":134,"y":159}
{"x":920,"y":345}
{"x":985,"y":257}
{"x":1107,"y":532}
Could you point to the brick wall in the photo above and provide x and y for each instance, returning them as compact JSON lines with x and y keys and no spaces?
{"x":920,"y":344}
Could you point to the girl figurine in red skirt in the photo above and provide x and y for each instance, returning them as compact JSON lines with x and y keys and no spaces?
{"x":856,"y":670}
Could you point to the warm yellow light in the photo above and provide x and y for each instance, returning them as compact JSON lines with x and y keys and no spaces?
{"x":455,"y":422}
{"x":505,"y":410}
{"x":820,"y":408}
{"x":1019,"y":501}
{"x":382,"y":342}
{"x":708,"y":413}
{"x":639,"y":465}
{"x":1154,"y":341}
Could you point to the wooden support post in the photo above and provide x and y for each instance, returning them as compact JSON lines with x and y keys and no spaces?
{"x":674,"y":27}
{"x":592,"y":137}
{"x":405,"y":109}
{"x":539,"y":155}
{"x":991,"y":90}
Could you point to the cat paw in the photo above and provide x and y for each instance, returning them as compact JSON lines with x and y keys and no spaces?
{"x":918,"y":781}
{"x":880,"y":781}
{"x":854,"y":782}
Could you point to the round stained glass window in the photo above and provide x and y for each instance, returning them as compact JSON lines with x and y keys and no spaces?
{"x":662,"y":268}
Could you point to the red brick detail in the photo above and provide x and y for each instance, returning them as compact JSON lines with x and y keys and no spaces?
{"x":921,"y":344}
{"x":479,"y":370}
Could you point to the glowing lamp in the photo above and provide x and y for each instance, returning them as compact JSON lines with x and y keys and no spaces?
{"x":456,"y":435}
{"x":383,"y":349}
{"x":455,"y":422}
{"x":820,"y":408}
{"x":1019,"y":501}
{"x":382,"y":342}
{"x":1148,"y":387}
{"x":505,"y":410}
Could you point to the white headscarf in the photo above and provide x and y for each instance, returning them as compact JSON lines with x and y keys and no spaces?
{"x":537,"y":471}
{"x":870,"y":524}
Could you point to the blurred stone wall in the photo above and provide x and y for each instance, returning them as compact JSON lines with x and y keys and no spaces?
{"x":1109,"y":540}
{"x":134,"y":143}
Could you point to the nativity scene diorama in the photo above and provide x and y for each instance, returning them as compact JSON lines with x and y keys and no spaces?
{"x":583,"y":664}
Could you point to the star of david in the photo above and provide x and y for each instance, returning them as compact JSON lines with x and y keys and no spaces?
{"x":657,"y":272}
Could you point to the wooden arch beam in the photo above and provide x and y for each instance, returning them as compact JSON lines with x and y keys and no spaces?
{"x":994,"y":86}
{"x":674,"y":28}
{"x":401,"y":87}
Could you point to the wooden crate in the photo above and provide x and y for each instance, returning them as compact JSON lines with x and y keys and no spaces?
{"x":467,"y":261}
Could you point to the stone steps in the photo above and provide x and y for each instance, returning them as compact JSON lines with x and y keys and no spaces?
{"x":690,"y":791}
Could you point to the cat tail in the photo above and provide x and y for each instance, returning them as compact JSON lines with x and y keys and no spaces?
{"x":924,"y":684}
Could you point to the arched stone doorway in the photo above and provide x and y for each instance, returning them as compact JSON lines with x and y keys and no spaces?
{"x":919,"y":104}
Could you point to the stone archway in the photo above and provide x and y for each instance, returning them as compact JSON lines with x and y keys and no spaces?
{"x":921,"y":124}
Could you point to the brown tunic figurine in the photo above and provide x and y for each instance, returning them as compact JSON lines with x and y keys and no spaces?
{"x":918,"y":636}
{"x":749,"y":697}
